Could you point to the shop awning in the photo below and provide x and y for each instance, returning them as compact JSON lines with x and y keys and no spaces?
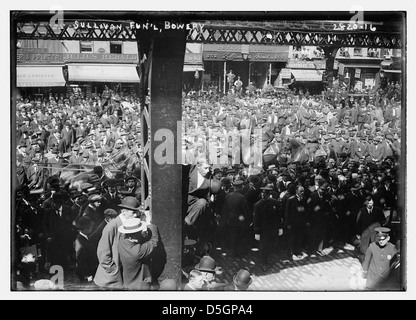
{"x":392,"y":71}
{"x":307,"y":75}
{"x":192,"y":68}
{"x":362,"y":66}
{"x":40,"y":76}
{"x":103,"y":73}
{"x":285,"y":73}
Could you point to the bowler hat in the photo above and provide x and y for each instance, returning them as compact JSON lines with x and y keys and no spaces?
{"x":84,"y":223}
{"x":131,"y":178}
{"x":207,"y":264}
{"x":130,"y":203}
{"x":110,"y":213}
{"x":242,"y":279}
{"x":111,"y":183}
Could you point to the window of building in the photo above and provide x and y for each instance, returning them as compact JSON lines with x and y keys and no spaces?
{"x":86,"y":46}
{"x":115,"y":47}
{"x":358,"y":52}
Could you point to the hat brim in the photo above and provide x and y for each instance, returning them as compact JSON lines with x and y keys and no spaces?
{"x":216,"y":270}
{"x":142,"y":227}
{"x":129,"y":208}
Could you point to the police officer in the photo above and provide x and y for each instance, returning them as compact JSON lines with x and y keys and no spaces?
{"x":376,"y":265}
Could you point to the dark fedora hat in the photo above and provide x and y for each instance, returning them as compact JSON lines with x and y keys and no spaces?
{"x":111,"y":183}
{"x":242,"y":279}
{"x":83,"y":223}
{"x":130,"y":203}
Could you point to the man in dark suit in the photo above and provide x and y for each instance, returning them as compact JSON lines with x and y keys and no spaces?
{"x":268,"y":219}
{"x":238,"y":218}
{"x":85,"y":252}
{"x":321,"y":212}
{"x":241,"y":281}
{"x":296,"y":222}
{"x":92,"y":210}
{"x":109,"y":215}
{"x":111,"y":197}
{"x":57,"y":231}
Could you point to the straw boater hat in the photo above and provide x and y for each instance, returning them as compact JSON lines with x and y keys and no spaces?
{"x":133,"y":225}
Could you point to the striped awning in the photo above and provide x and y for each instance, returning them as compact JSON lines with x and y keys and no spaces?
{"x":40,"y":76}
{"x":307,"y":75}
{"x":121,"y":73}
{"x":192,"y":67}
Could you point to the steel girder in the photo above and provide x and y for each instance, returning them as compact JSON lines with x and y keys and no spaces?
{"x":341,"y":34}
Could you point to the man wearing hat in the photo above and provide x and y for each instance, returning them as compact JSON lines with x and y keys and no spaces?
{"x":238,"y":218}
{"x":94,"y":209}
{"x":57,"y":230}
{"x":136,"y":245}
{"x":376,"y":150}
{"x":241,"y":281}
{"x":131,"y":187}
{"x":268,"y":219}
{"x":206,"y":269}
{"x":111,"y":196}
{"x":85,"y":251}
{"x":296,"y":220}
{"x":108,"y":273}
{"x":75,"y":157}
{"x":378,"y":256}
{"x":109,"y":214}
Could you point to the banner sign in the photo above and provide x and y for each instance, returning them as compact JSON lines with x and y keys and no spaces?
{"x":59,"y":58}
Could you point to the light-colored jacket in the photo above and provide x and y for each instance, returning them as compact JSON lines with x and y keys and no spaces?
{"x":108,"y":273}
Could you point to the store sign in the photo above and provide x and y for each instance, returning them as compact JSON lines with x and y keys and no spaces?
{"x":32,"y":50}
{"x":237,"y":56}
{"x":51,"y":58}
{"x":306,"y":64}
{"x":357,"y":73}
{"x":233,"y":52}
{"x":193,"y":58}
{"x":223,"y":47}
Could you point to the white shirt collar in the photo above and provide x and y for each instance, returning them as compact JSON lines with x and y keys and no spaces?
{"x":84,"y":235}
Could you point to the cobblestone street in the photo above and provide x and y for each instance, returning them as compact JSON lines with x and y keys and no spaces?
{"x":335,"y":271}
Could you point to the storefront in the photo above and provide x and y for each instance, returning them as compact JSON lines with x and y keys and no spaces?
{"x":40,"y":72}
{"x":304,"y":75}
{"x":93,"y":77}
{"x":391,"y":71}
{"x":259,"y":64}
{"x":359,"y":75}
{"x":193,"y":72}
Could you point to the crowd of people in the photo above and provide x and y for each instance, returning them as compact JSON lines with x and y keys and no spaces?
{"x":347,"y":185}
{"x":297,"y":206}
{"x":95,"y":141}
